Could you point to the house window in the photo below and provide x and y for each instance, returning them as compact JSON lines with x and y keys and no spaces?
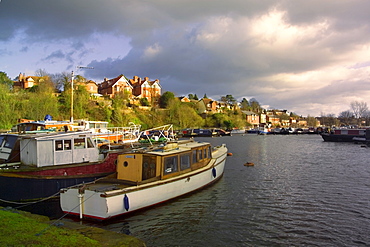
{"x":170,"y":164}
{"x":185,"y":161}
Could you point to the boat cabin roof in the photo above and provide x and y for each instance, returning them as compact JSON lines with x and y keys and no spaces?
{"x":174,"y":148}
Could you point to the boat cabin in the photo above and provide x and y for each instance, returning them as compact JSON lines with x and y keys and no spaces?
{"x":169,"y":161}
{"x":350,"y":131}
{"x":94,"y":126}
{"x":57,"y":149}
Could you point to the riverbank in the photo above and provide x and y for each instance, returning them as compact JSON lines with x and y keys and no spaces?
{"x":19,"y":228}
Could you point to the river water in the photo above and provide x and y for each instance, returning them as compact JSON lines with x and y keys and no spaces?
{"x":301,"y":191}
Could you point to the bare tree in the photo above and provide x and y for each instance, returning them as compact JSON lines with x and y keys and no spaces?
{"x":346,"y":117}
{"x":359,"y":108}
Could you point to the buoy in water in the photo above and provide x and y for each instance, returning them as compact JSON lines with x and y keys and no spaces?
{"x":229,"y":154}
{"x":249,"y":164}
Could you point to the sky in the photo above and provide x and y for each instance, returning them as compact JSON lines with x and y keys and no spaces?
{"x":308,"y":57}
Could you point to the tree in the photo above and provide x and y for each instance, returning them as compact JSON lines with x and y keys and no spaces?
{"x":311,"y":121}
{"x":190,"y":96}
{"x":346,"y":117}
{"x":165,"y":99}
{"x":229,"y":99}
{"x":144,"y":102}
{"x":359,"y":108}
{"x":4,"y":79}
{"x":61,"y":80}
{"x":255,"y":106}
{"x":195,"y":97}
{"x":8,"y":102}
{"x":244,"y":105}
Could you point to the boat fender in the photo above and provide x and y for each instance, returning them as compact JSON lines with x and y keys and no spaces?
{"x":126,"y":202}
{"x":229,"y":154}
{"x":214,"y":172}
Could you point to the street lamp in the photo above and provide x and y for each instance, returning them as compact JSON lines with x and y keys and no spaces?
{"x":73,"y":75}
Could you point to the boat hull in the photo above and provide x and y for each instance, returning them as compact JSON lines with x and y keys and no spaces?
{"x":102,"y":206}
{"x":339,"y":138}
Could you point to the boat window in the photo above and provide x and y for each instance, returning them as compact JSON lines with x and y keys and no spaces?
{"x":90,"y":143}
{"x":61,"y":145}
{"x":58,"y":145}
{"x":194,"y":156}
{"x":1,"y":140}
{"x":149,"y":167}
{"x":209,"y":152}
{"x":185,"y":161}
{"x":9,"y":141}
{"x":170,"y":164}
{"x":67,"y":145}
{"x":79,"y":143}
{"x":199,"y":154}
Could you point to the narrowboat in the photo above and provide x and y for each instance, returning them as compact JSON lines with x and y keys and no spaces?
{"x":145,"y":178}
{"x":343,"y":135}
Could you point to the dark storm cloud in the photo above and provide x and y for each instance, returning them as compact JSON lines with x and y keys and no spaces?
{"x":271,"y":50}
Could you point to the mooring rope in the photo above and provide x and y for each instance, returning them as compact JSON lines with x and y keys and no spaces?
{"x":56,"y":222}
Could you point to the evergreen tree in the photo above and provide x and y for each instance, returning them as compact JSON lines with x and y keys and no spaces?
{"x":244,"y":105}
{"x":165,"y":99}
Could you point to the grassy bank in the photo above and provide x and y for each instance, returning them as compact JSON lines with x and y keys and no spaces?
{"x":18,"y":228}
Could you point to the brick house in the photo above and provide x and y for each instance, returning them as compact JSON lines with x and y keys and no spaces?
{"x":184,"y":99}
{"x":136,"y":87}
{"x":25,"y":82}
{"x":90,"y":86}
{"x":273,"y":119}
{"x":146,"y":88}
{"x":252,"y":118}
{"x":114,"y":86}
{"x":211,"y":105}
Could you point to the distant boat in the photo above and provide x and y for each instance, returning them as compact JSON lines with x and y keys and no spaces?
{"x":104,"y":134}
{"x":253,"y":131}
{"x":198,"y":133}
{"x":31,"y":126}
{"x":264,"y":131}
{"x":343,"y":135}
{"x":145,"y":178}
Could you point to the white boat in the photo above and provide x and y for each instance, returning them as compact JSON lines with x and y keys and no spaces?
{"x":145,"y":178}
{"x":102,"y":134}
